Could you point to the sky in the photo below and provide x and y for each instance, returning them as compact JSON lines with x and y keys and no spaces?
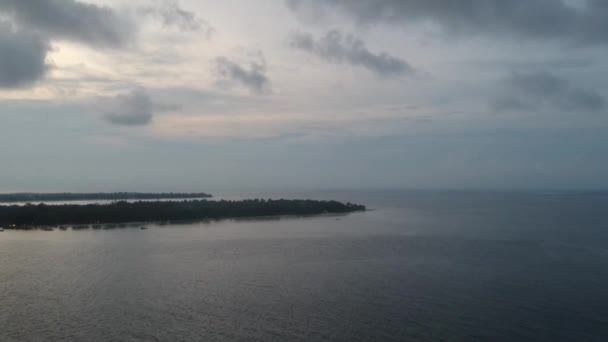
{"x":194,"y":95}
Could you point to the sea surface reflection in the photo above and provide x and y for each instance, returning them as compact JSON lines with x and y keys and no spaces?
{"x":437,"y":266}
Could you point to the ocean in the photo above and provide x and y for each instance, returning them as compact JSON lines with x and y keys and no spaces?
{"x":418,"y":266}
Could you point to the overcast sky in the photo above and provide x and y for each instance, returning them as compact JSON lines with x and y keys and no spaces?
{"x":166,"y":95}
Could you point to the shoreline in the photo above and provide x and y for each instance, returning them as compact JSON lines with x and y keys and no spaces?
{"x":124,"y":214}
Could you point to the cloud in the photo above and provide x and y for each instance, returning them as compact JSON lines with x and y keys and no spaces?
{"x":171,"y":14}
{"x":30,"y":26}
{"x":22,"y":57}
{"x":526,"y":91}
{"x":85,"y":23}
{"x":133,"y":109}
{"x":337,"y":48}
{"x":253,"y":78}
{"x":584,"y":23}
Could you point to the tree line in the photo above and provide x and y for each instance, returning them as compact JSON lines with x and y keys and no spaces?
{"x":35,"y":215}
{"x":112,"y":196}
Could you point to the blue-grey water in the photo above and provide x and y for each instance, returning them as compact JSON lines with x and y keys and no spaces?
{"x":422,"y":266}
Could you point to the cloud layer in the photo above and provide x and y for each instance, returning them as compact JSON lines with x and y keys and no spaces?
{"x":537,"y":90}
{"x":71,"y":20}
{"x":433,"y":93}
{"x":580,"y":22}
{"x":338,"y":48}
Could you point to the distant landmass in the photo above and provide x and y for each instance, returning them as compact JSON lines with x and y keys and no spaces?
{"x":112,"y":196}
{"x":31,"y":216}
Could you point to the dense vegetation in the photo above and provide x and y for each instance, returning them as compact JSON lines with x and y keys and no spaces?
{"x":27,"y":216}
{"x":113,"y":196}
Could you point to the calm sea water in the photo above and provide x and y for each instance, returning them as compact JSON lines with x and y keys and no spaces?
{"x":422,"y":266}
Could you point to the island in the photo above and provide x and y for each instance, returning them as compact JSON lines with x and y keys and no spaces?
{"x":32,"y":216}
{"x":112,"y":196}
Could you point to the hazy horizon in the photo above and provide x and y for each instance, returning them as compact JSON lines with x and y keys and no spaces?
{"x":263,"y":191}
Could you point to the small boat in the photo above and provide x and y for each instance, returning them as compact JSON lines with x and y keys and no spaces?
{"x":142,"y":228}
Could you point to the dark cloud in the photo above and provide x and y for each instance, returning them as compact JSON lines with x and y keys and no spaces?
{"x":31,"y":25}
{"x":253,"y":78}
{"x":136,"y":108}
{"x":338,"y":48}
{"x":171,"y":14}
{"x":133,"y":109}
{"x":585,"y":23}
{"x":22,"y":57}
{"x":526,"y":91}
{"x":71,"y":20}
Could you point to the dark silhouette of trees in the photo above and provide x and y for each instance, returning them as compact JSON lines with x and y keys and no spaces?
{"x":112,"y":196}
{"x":33,"y":215}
